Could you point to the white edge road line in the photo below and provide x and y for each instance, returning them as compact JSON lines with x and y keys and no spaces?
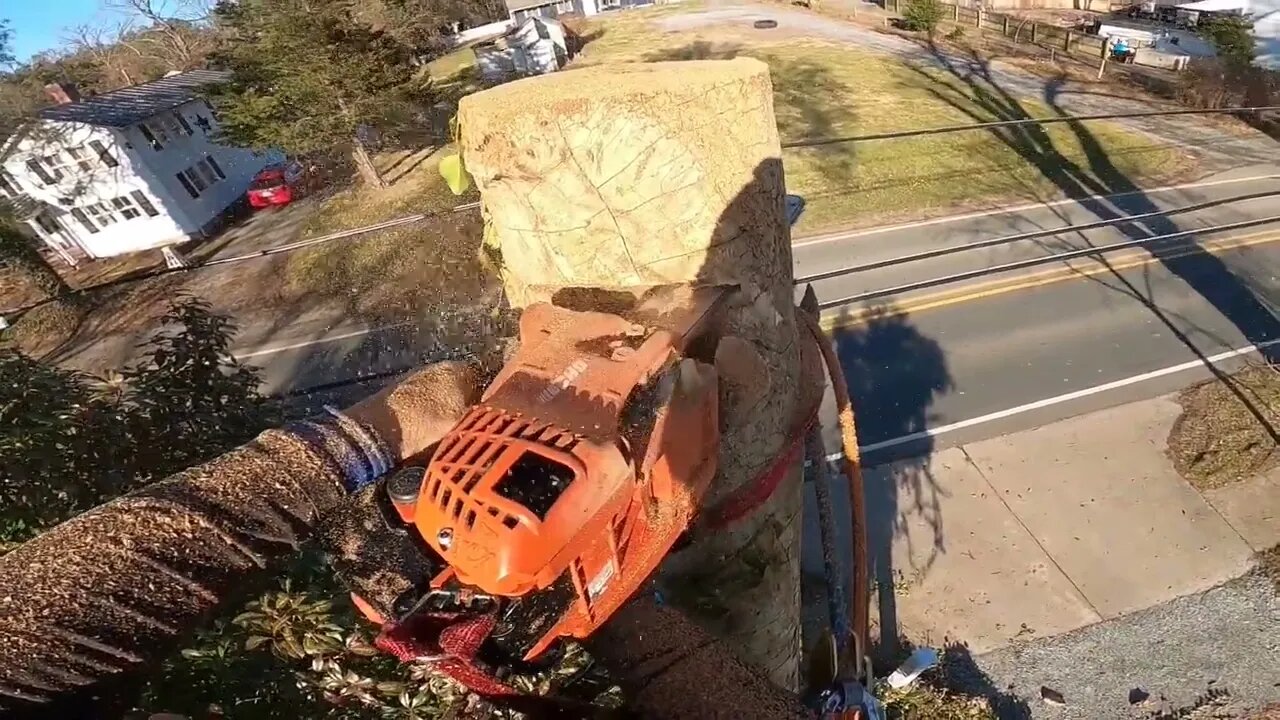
{"x":305,"y":343}
{"x":1059,"y":399}
{"x":837,"y":236}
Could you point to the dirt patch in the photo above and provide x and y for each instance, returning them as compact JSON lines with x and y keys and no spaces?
{"x":1269,"y":564}
{"x":1227,"y":429}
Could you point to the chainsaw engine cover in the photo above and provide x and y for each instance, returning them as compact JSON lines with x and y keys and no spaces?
{"x":562,"y":490}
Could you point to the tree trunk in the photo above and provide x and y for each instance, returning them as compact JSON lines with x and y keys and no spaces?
{"x":669,"y":173}
{"x":19,"y":253}
{"x":364,"y":165}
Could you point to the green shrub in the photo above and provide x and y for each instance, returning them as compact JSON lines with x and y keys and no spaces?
{"x":70,"y":441}
{"x":923,"y":15}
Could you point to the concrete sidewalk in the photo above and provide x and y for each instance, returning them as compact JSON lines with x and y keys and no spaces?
{"x":1045,"y":531}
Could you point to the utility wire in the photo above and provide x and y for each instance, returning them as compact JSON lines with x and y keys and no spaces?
{"x":817,"y":142}
{"x":1031,"y":235}
{"x":1030,"y":262}
{"x":289,"y":247}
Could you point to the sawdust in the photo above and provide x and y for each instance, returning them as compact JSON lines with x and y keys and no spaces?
{"x":1226,"y":431}
{"x":669,"y":667}
{"x":115,"y":588}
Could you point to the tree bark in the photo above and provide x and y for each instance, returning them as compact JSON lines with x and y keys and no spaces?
{"x":662,"y":173}
{"x":364,"y":165}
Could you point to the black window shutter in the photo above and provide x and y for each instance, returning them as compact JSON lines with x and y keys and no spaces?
{"x":104,"y":154}
{"x":146,"y":133}
{"x":186,"y":184}
{"x":145,"y":203}
{"x":78,"y":214}
{"x":216,"y":168}
{"x":35,"y":167}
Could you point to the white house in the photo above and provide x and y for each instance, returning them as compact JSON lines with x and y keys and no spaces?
{"x":126,"y":170}
{"x":535,"y":46}
{"x":1265,"y":15}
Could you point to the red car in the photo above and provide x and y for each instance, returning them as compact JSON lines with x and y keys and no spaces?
{"x":276,"y":185}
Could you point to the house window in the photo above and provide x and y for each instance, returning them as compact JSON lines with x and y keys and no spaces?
{"x":9,"y":185}
{"x":104,"y":154}
{"x":216,"y":167}
{"x":125,"y":206}
{"x":145,"y":203}
{"x":182,"y":122}
{"x":101,"y":213}
{"x":47,"y":224}
{"x":58,"y":163}
{"x":81,"y":158}
{"x":195,"y":179}
{"x":80,"y":215}
{"x":206,"y":173}
{"x":168,"y":125}
{"x":186,"y":185}
{"x":37,"y":168}
{"x":155,"y":135}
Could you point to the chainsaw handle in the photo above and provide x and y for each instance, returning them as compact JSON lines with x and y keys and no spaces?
{"x":669,"y":668}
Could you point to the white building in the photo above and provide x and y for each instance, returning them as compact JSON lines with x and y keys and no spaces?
{"x":535,"y":46}
{"x":1265,"y":15}
{"x":126,"y":170}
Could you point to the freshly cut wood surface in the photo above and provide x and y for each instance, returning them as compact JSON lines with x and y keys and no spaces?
{"x":636,"y":175}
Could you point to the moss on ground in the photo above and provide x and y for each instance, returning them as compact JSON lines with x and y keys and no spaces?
{"x":1225,"y":432}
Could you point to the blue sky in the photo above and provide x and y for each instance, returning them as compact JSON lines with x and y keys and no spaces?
{"x":39,"y":24}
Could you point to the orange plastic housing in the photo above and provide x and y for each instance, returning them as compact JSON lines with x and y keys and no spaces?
{"x":539,"y":480}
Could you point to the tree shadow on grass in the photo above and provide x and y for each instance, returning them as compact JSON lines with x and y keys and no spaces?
{"x":978,"y":95}
{"x":801,"y":92}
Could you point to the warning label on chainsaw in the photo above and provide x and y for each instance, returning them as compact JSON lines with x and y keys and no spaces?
{"x":600,"y":581}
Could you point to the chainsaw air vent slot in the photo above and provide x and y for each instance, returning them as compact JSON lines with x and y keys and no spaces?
{"x":471,"y":519}
{"x":535,"y":482}
{"x":493,"y":511}
{"x":444,"y":499}
{"x":457,"y":508}
{"x":510,"y":522}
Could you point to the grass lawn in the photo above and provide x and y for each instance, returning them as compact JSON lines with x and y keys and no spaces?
{"x":823,"y":89}
{"x":389,"y":271}
{"x":453,"y":64}
{"x":1219,"y":439}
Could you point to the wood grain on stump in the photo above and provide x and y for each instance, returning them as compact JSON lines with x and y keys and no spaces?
{"x":635,"y":175}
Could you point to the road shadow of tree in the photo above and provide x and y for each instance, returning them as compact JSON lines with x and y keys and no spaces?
{"x":978,"y":95}
{"x":961,"y":672}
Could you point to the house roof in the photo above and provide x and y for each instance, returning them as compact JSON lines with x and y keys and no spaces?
{"x":126,"y":106}
{"x":1215,"y":5}
{"x":514,"y":5}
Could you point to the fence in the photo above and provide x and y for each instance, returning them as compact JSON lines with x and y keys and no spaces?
{"x":1020,"y":30}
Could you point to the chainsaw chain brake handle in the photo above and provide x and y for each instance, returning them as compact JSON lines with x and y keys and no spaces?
{"x":560,"y":492}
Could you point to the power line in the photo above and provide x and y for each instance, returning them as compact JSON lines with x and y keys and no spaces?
{"x":288,"y":247}
{"x":1030,"y":262}
{"x":817,"y":142}
{"x":1017,"y":237}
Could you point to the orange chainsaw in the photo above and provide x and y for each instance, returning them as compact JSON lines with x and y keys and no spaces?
{"x":557,"y":495}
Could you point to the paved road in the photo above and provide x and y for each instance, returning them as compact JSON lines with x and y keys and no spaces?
{"x":1232,"y":198}
{"x":942,"y":366}
{"x":975,"y":356}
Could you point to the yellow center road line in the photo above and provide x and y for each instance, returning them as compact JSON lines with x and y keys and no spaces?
{"x":991,"y":288}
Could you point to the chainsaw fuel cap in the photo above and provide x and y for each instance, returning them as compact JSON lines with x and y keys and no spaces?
{"x":403,"y":487}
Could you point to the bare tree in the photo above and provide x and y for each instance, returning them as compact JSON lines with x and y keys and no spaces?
{"x":104,"y":45}
{"x":170,"y":29}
